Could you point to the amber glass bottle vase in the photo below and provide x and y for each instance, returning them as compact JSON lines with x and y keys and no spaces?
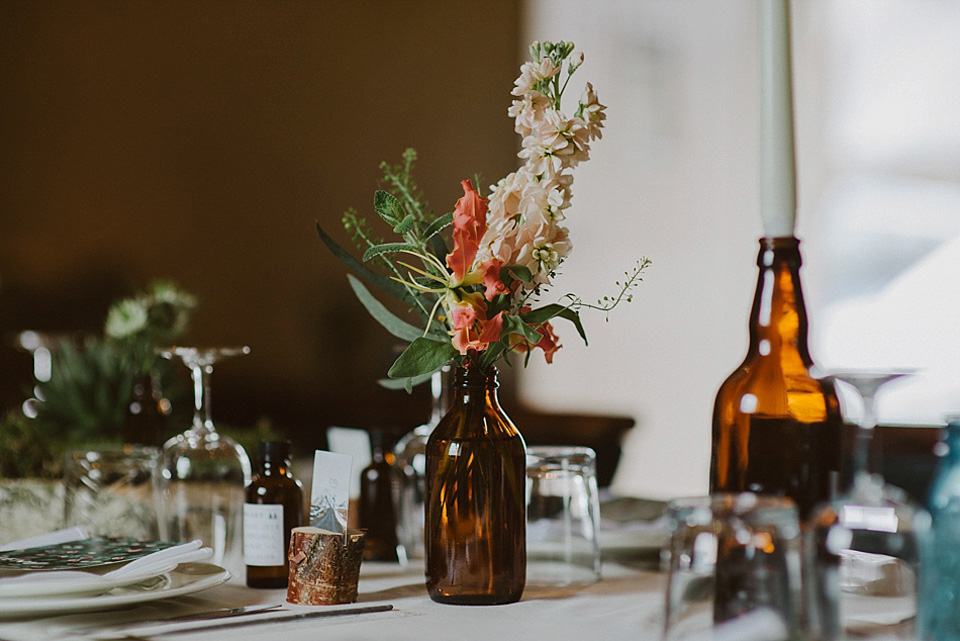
{"x":776,"y":428}
{"x":273,"y":507}
{"x":475,"y":525}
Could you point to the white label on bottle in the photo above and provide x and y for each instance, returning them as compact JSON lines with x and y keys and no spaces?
{"x":263,"y":540}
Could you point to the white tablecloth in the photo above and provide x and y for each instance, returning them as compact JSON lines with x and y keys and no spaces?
{"x":626,"y":604}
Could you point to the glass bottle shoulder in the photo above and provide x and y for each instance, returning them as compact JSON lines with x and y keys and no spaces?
{"x":475,"y":422}
{"x":273,"y":489}
{"x":761,"y":386}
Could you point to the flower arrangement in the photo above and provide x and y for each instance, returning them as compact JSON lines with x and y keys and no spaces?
{"x":88,"y":395}
{"x":480,"y":301}
{"x":138,"y":325}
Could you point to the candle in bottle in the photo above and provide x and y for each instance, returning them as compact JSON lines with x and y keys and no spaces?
{"x":778,"y":182}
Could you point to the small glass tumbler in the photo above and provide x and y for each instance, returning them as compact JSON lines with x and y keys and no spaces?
{"x":734,"y":568}
{"x":563,"y":517}
{"x":112,"y":491}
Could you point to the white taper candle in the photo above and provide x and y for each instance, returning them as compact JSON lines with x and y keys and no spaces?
{"x":778,"y":179}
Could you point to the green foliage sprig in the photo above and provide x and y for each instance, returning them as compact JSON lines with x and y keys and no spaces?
{"x":430,"y":347}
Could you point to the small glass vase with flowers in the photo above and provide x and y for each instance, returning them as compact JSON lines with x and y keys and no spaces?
{"x":478,"y":302}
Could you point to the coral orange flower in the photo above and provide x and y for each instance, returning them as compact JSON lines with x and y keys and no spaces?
{"x":479,"y":335}
{"x":469,"y":226}
{"x":471,"y":328}
{"x":548,"y":341}
{"x":491,"y":278}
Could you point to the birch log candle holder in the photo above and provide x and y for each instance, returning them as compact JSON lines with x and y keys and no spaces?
{"x":324,"y":566}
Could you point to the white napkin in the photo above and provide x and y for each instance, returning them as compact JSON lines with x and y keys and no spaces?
{"x":31,"y":584}
{"x":162,"y":561}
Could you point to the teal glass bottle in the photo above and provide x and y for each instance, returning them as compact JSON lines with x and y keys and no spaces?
{"x":940,"y":600}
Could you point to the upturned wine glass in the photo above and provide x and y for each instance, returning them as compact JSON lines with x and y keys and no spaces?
{"x":410,"y":473}
{"x":864,"y":547}
{"x":202,"y":472}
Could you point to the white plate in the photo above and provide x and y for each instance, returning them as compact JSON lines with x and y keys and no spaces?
{"x":59,"y":583}
{"x":187,"y":578}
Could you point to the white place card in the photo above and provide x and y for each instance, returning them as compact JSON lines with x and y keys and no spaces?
{"x":330,"y":493}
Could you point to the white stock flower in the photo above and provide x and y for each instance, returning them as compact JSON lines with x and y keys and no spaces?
{"x":533,"y":72}
{"x":593,"y":112}
{"x":504,"y":200}
{"x":564,"y":184}
{"x":543,"y":199}
{"x":555,"y":131}
{"x":500,"y":243}
{"x":528,"y":111}
{"x":576,"y":59}
{"x":567,"y":136}
{"x":526,"y":207}
{"x":540,"y":158}
{"x":542,"y":247}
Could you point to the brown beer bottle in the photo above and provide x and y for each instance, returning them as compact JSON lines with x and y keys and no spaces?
{"x":776,"y":429}
{"x":376,"y":503}
{"x":273,"y":507}
{"x":475,"y":526}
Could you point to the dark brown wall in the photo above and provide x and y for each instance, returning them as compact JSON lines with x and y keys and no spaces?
{"x":202,"y":140}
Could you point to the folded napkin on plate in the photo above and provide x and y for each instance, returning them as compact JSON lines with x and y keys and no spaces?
{"x":42,"y":573}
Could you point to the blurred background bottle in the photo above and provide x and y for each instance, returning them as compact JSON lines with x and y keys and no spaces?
{"x":377,"y":514}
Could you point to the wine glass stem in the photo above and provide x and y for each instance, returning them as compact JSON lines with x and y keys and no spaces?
{"x":202,"y":417}
{"x":437,"y":397}
{"x":866,"y":428}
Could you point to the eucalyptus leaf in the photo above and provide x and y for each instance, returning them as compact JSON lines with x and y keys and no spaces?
{"x":439,"y":247}
{"x":382,"y":282}
{"x":396,"y":326}
{"x":404,"y":383}
{"x":439,"y":223}
{"x":423,"y":356}
{"x":515,"y":325}
{"x":388,"y":207}
{"x":519,"y":272}
{"x":489,"y":356}
{"x":574,"y":317}
{"x":387,"y":248}
{"x":547,"y":312}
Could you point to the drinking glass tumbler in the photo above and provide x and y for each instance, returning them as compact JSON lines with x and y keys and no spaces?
{"x":112,"y":491}
{"x":563,"y":516}
{"x":734,"y":568}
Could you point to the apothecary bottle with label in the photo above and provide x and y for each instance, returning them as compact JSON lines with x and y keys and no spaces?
{"x":273,"y":507}
{"x":776,"y":428}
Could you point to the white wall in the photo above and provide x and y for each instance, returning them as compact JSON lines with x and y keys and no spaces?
{"x":675,"y":179}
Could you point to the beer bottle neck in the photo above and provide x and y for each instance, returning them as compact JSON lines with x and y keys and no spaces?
{"x":778,"y":319}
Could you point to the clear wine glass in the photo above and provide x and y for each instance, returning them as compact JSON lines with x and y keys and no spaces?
{"x":863,"y":548}
{"x":410,"y":465}
{"x":203,"y":473}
